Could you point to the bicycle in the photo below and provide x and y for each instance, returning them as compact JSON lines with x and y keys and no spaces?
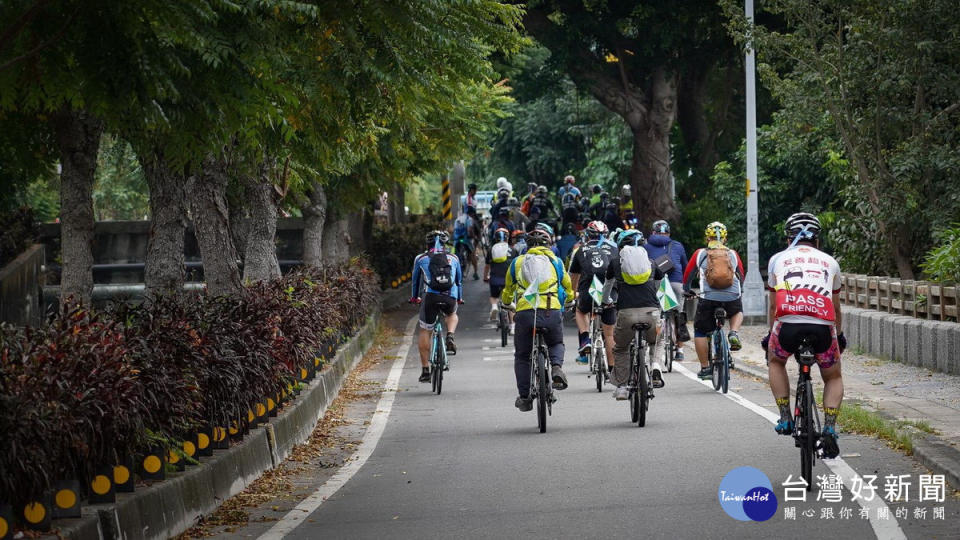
{"x":640,"y":379}
{"x":806,"y":430}
{"x":598,"y":353}
{"x":541,"y":387}
{"x":718,"y":351}
{"x":461,"y":248}
{"x":438,"y":356}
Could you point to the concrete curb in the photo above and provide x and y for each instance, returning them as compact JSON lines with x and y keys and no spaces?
{"x":931,"y":344}
{"x":169,"y":508}
{"x":932,"y":452}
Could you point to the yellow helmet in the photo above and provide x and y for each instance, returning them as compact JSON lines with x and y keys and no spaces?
{"x":717,"y":231}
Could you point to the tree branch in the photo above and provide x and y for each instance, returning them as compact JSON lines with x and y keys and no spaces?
{"x":21,"y":21}
{"x":42,"y":45}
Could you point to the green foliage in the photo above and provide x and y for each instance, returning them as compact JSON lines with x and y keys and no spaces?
{"x":18,"y":229}
{"x":942,"y":262}
{"x":120,"y":190}
{"x":885,"y":76}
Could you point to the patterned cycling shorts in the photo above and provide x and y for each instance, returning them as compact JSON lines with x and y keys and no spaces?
{"x":785,"y":339}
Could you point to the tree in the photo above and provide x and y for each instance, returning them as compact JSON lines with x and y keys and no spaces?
{"x":885,"y":75}
{"x":652,"y":64}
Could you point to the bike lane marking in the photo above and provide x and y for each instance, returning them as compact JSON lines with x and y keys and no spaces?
{"x":378,"y":423}
{"x":888,"y":529}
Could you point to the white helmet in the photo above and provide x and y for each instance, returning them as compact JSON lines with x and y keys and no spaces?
{"x":625,"y":190}
{"x":502,"y":182}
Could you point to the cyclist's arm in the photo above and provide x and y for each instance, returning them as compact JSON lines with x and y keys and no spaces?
{"x":459,"y":278}
{"x":509,"y":288}
{"x":415,"y":281}
{"x":771,"y":308}
{"x":567,"y":286}
{"x":740,"y":273}
{"x":689,"y":273}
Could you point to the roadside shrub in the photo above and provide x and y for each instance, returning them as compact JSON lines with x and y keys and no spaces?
{"x":393,"y":248}
{"x":91,"y":388}
{"x":942,"y":263}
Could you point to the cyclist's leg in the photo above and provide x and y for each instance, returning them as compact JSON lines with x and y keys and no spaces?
{"x":608,"y":321}
{"x":449,"y":309}
{"x":622,"y":336}
{"x":703,"y":324}
{"x":680,"y":316}
{"x":735,"y":316}
{"x":777,"y":357}
{"x":582,"y":316}
{"x":829,"y":362}
{"x":428,"y":314}
{"x":651,"y":316}
{"x":552,"y":322}
{"x":523,"y":343}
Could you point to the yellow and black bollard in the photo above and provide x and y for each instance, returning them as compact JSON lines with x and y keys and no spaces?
{"x":175,"y":459}
{"x":204,"y":441}
{"x":123,"y":476}
{"x":445,"y":196}
{"x":101,"y":486}
{"x":152,"y":465}
{"x":66,"y":499}
{"x":6,"y":522}
{"x":221,"y":440}
{"x":37,"y":513}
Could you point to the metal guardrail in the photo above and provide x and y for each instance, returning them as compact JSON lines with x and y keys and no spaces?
{"x":920,"y":299}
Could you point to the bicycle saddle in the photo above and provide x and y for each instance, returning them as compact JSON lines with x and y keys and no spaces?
{"x":641,"y":326}
{"x":719,"y":313}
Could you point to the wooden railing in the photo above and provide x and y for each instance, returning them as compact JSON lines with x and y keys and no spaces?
{"x":921,"y":299}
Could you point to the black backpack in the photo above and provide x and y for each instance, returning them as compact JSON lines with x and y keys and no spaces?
{"x":441,"y":273}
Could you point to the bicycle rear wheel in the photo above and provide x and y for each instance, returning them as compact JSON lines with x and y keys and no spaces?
{"x":504,"y":328}
{"x":643,"y":389}
{"x":436,"y":377}
{"x":600,"y":361}
{"x":714,"y":362}
{"x":543,"y":393}
{"x":808,"y":442}
{"x":634,"y":392}
{"x":669,"y":346}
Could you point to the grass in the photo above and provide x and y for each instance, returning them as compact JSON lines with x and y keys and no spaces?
{"x":898,"y":434}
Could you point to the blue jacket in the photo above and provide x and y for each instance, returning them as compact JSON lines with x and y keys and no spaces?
{"x":421,"y":271}
{"x":658,"y":244}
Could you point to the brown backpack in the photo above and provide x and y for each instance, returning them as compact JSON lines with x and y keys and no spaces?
{"x":719,"y":273}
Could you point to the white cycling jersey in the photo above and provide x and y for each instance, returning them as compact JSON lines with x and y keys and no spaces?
{"x":804,"y":280}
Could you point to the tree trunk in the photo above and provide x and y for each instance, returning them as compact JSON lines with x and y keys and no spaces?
{"x":260,"y":262}
{"x":396,"y":205}
{"x":315,"y":217}
{"x":164,"y":268}
{"x":78,"y":141}
{"x":211,"y":220}
{"x":336,"y":239}
{"x":650,"y":170}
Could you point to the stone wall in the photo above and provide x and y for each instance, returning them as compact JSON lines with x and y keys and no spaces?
{"x":931,"y":344}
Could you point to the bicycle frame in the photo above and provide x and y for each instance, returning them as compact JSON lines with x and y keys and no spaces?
{"x":598,"y":355}
{"x":806,"y":430}
{"x":541,"y":388}
{"x":720,"y":348}
{"x":436,"y":341}
{"x":640,"y":383}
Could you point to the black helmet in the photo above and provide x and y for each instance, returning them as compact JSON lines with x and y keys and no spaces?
{"x":539,"y":237}
{"x":471,"y":186}
{"x":596,"y":188}
{"x":661,"y":226}
{"x":432,"y":236}
{"x":802,"y":222}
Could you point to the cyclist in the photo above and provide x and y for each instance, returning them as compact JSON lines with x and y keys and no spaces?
{"x":502,"y":200}
{"x":502,"y":221}
{"x":495,"y":272}
{"x":542,"y":269}
{"x":568,"y":187}
{"x":634,"y":278}
{"x":541,"y":200}
{"x":442,"y":288}
{"x":471,"y":198}
{"x":801,"y":283}
{"x":626,"y":203}
{"x":611,"y":215}
{"x":567,"y":241}
{"x":518,"y":241}
{"x":465,"y":236}
{"x":599,"y":207}
{"x":528,"y":198}
{"x":595,"y":192}
{"x":721,"y":274}
{"x":592,"y":259}
{"x":659,"y":244}
{"x":504,"y":185}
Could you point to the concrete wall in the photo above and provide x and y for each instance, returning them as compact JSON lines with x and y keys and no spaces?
{"x":21,"y":288}
{"x":931,"y":344}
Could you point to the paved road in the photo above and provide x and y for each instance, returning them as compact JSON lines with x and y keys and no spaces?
{"x":467,"y":464}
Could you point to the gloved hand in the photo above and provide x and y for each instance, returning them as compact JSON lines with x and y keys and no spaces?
{"x":689,"y":294}
{"x":765,"y":342}
{"x":414,"y":300}
{"x":459,"y":301}
{"x":486,"y":279}
{"x":842,"y":341}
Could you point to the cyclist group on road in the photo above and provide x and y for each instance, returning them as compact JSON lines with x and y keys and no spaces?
{"x":601,"y":265}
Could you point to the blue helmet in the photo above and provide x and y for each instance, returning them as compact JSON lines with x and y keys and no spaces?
{"x":631,"y":237}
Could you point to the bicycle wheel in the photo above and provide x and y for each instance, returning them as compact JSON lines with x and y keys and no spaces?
{"x":543,"y":393}
{"x":714,"y":361}
{"x":634,"y":377}
{"x":504,"y":328}
{"x":600,"y":360}
{"x":669,"y":346}
{"x":725,"y":371}
{"x":807,"y":442}
{"x":643,"y":389}
{"x":436,"y":377}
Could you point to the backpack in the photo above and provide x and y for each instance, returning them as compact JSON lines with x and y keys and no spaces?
{"x":460,"y":227}
{"x":568,"y":201}
{"x":441,"y":273}
{"x":719,"y":272}
{"x":635,"y":267}
{"x":537,"y":267}
{"x":500,"y":252}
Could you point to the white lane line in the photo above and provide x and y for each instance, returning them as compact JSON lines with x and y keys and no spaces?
{"x":888,"y":529}
{"x":378,"y":423}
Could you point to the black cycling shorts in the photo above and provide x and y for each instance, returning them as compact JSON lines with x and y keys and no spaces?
{"x":608,"y":315}
{"x":433,"y":305}
{"x":495,"y":290}
{"x":703,"y":321}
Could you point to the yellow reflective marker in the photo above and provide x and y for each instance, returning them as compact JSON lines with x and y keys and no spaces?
{"x":65,"y":498}
{"x":219,"y":434}
{"x":152,"y":464}
{"x":189,"y":448}
{"x":271,"y":404}
{"x":173,"y":457}
{"x":121,"y":474}
{"x":261,"y":410}
{"x":203,"y":441}
{"x":100,"y":484}
{"x":34,"y":512}
{"x":4,"y":527}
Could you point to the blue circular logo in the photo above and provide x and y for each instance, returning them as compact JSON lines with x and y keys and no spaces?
{"x":746,"y":494}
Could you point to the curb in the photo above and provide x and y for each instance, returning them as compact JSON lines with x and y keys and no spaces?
{"x":168,"y":508}
{"x":931,"y":451}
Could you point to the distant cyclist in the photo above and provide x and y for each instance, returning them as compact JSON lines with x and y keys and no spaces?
{"x":721,"y":274}
{"x":437,"y":285}
{"x":659,"y":244}
{"x":495,"y":272}
{"x":589,"y":260}
{"x":465,"y":238}
{"x":541,"y":268}
{"x":802,"y":281}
